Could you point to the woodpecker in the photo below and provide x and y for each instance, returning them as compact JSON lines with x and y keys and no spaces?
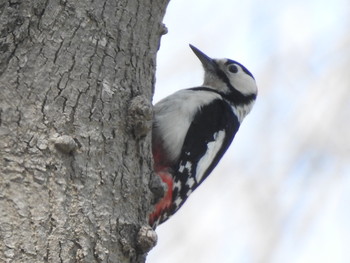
{"x":193,"y":128}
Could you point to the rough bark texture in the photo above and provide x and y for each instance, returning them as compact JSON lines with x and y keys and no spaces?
{"x":76,"y":80}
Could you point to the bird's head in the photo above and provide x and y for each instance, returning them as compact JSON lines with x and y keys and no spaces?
{"x":228,"y":77}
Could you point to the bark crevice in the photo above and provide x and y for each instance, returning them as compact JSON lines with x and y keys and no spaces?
{"x":76,"y":81}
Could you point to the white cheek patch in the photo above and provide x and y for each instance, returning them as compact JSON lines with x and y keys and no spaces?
{"x":212,"y":150}
{"x":244,"y":83}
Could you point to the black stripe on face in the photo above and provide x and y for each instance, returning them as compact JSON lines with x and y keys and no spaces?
{"x":235,"y":97}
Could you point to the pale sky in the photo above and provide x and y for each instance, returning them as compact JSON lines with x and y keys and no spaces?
{"x":282,"y":191}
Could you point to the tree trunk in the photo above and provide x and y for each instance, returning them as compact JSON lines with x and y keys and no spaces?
{"x":76,"y":81}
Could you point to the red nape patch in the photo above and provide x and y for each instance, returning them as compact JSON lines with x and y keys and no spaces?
{"x":166,"y":201}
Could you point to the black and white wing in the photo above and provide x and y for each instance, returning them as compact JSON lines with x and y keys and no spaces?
{"x":209,"y":135}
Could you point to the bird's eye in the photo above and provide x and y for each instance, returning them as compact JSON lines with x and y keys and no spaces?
{"x":232,"y":68}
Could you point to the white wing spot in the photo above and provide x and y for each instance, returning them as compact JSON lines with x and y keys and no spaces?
{"x":190,"y":182}
{"x":187,"y":166}
{"x":213,"y":148}
{"x":189,"y":192}
{"x":181,"y":168}
{"x":178,"y":202}
{"x":177,"y":185}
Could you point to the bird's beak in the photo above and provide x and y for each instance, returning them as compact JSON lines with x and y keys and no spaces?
{"x":207,"y":62}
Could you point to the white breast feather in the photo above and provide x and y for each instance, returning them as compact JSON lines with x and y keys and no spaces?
{"x":242,"y":110}
{"x":173,"y":116}
{"x":206,"y":160}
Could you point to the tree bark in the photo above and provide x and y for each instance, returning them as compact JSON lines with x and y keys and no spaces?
{"x":76,"y":81}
